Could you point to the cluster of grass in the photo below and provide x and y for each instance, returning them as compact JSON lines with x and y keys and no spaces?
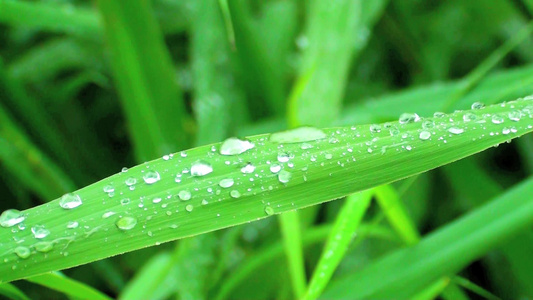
{"x":87,"y":88}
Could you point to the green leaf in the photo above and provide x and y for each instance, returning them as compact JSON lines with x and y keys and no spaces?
{"x":68,"y":286}
{"x":406,"y":271}
{"x":12,"y":292}
{"x":160,"y":201}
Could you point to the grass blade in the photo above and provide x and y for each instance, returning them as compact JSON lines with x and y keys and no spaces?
{"x":292,"y":242}
{"x":442,"y":252}
{"x":433,"y":290}
{"x":161,"y":201}
{"x":339,"y":239}
{"x":68,"y":286}
{"x":147,"y":279}
{"x":12,"y":292}
{"x":151,"y":98}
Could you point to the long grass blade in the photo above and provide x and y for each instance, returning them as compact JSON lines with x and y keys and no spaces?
{"x":68,"y":286}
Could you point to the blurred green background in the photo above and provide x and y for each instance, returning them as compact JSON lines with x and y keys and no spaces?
{"x":87,"y":88}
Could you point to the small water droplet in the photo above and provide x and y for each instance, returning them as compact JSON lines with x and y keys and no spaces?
{"x":156,"y":200}
{"x":456,"y":130}
{"x":428,"y":124}
{"x":130,"y":181}
{"x":70,"y":201}
{"x":275,"y":168}
{"x":184,"y":195}
{"x":205,"y":202}
{"x":11,"y":217}
{"x":497,"y":119}
{"x":108,"y":214}
{"x":249,"y":168}
{"x":22,"y":252}
{"x":515,"y":115}
{"x":126,"y":223}
{"x":125,"y":201}
{"x":283,"y":157}
{"x":424,"y":135}
{"x":375,"y":128}
{"x":269,"y":210}
{"x":226,"y":182}
{"x":298,"y":135}
{"x":468,"y":117}
{"x":189,"y":208}
{"x":201,"y":168}
{"x":439,"y":114}
{"x":72,"y":224}
{"x":477,"y":105}
{"x":44,"y":246}
{"x":235,"y":194}
{"x":151,"y":177}
{"x":109,"y":188}
{"x":284,"y":176}
{"x":124,"y":170}
{"x":234,"y":146}
{"x":166,"y":157}
{"x":406,"y":118}
{"x":506,"y":130}
{"x":39,"y":232}
{"x":328,"y":156}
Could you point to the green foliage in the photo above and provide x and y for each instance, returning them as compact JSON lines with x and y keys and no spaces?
{"x":88,"y":88}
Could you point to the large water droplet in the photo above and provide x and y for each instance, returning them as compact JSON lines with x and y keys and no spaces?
{"x":201,"y":168}
{"x":184,"y":195}
{"x":39,"y":232}
{"x":515,"y":115}
{"x":408,"y":118}
{"x":284,"y":176}
{"x":477,"y":105}
{"x":234,"y":146}
{"x":44,"y":246}
{"x":456,"y":130}
{"x":497,"y":119}
{"x":249,"y":168}
{"x":275,"y":168}
{"x":70,"y":201}
{"x":424,"y":135}
{"x":298,"y":135}
{"x":126,"y":223}
{"x":22,"y":252}
{"x":283,"y":157}
{"x":151,"y":177}
{"x":226,"y":183}
{"x":11,"y":217}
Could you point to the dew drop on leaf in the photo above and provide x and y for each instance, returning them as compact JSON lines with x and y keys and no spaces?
{"x":130,"y":181}
{"x":72,"y":224}
{"x":151,"y":177}
{"x":189,"y":208}
{"x":70,"y":201}
{"x":477,"y":105}
{"x":497,"y":119}
{"x":298,"y":135}
{"x":375,"y":128}
{"x":39,"y":232}
{"x":249,"y":168}
{"x":44,"y":246}
{"x":456,"y":130}
{"x":109,"y":188}
{"x":424,"y":135}
{"x":275,"y":168}
{"x":406,"y":118}
{"x":184,"y":195}
{"x":126,"y":223}
{"x":201,"y":168}
{"x":11,"y":217}
{"x":22,"y":252}
{"x":283,"y":157}
{"x":226,"y":183}
{"x":284,"y":176}
{"x":234,"y":146}
{"x":269,"y":210}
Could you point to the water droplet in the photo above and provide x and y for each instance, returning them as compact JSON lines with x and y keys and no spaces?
{"x":456,"y":130}
{"x":11,"y":217}
{"x":156,"y":200}
{"x":39,"y":232}
{"x":125,"y":201}
{"x":269,"y":210}
{"x":283,"y":157}
{"x":328,"y":156}
{"x":130,"y":181}
{"x":298,"y":135}
{"x":108,"y":214}
{"x":477,"y":105}
{"x":124,"y":170}
{"x":428,"y":124}
{"x":44,"y":246}
{"x":468,"y":117}
{"x":70,"y":201}
{"x":109,"y":188}
{"x":166,"y":157}
{"x":184,"y":195}
{"x":375,"y":128}
{"x":201,"y":168}
{"x":306,"y":146}
{"x":515,"y":115}
{"x":189,"y":208}
{"x":506,"y":130}
{"x":72,"y":224}
{"x":275,"y":168}
{"x":497,"y":119}
{"x":439,"y":114}
{"x":424,"y":135}
{"x":226,"y":183}
{"x":249,"y":168}
{"x":205,"y":202}
{"x":406,"y":118}
{"x":234,"y":146}
{"x":22,"y":252}
{"x":151,"y":177}
{"x":284,"y":176}
{"x":126,"y":223}
{"x":235,"y":194}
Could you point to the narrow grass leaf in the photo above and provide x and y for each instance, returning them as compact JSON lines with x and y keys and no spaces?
{"x":433,"y":290}
{"x":396,"y":213}
{"x":209,"y":187}
{"x":12,"y":292}
{"x":68,"y":286}
{"x":148,"y":278}
{"x":151,"y":97}
{"x":469,"y":285}
{"x":405,"y":272}
{"x":292,"y":242}
{"x":339,"y":239}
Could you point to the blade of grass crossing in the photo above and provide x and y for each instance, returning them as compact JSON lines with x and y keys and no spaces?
{"x":339,"y":239}
{"x":469,"y":285}
{"x":68,"y":286}
{"x":403,"y":273}
{"x":433,"y":290}
{"x":339,"y":163}
{"x":12,"y":292}
{"x":151,"y":98}
{"x":292,"y":242}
